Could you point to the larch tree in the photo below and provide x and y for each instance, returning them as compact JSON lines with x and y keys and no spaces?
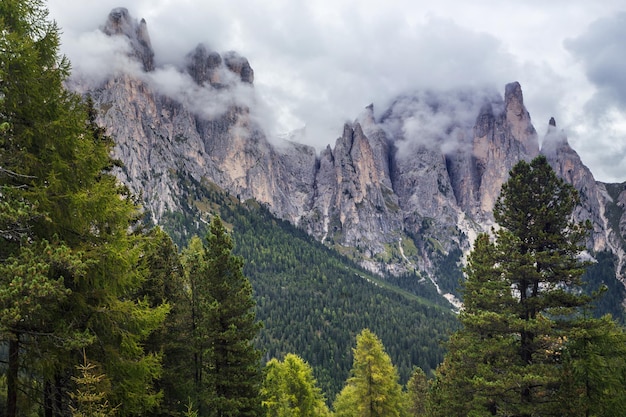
{"x":290,"y":389}
{"x":372,"y":390}
{"x":524,"y":307}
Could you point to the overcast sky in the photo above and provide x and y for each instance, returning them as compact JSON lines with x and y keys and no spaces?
{"x":320,"y":62}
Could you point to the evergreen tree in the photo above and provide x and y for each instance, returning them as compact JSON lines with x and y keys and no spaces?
{"x":165,"y":284}
{"x":523,"y":307}
{"x":68,"y":222}
{"x":226,"y":366}
{"x":372,"y":389}
{"x":232,"y":367}
{"x":195,"y":269}
{"x":417,"y":393}
{"x":290,"y":389}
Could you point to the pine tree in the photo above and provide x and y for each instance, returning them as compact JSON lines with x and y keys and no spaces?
{"x":523,"y":306}
{"x":372,"y":389}
{"x":69,"y":221}
{"x":290,"y":389}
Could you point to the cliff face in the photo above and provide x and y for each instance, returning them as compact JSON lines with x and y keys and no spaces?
{"x":397,"y":193}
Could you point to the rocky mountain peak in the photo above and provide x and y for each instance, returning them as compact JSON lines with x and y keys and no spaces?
{"x":552,"y":122}
{"x":203,"y":66}
{"x":239,"y":65}
{"x":519,"y":119}
{"x":121,"y":23}
{"x":210,"y":67}
{"x":568,"y":165}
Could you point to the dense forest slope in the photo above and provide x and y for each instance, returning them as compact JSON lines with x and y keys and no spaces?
{"x":314,"y":301}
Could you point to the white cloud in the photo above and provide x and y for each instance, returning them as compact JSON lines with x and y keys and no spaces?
{"x":320,"y":63}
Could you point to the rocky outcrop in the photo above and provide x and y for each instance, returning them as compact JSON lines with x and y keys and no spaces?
{"x":120,"y":22}
{"x":209,"y":68}
{"x":203,"y":66}
{"x":567,"y":164}
{"x":398,"y":193}
{"x":501,"y":139}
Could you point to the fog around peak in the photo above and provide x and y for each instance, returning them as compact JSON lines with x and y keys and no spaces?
{"x":318,"y":64}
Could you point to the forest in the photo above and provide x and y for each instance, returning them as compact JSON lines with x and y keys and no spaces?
{"x":231,"y":312}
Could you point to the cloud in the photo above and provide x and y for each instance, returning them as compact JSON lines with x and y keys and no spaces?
{"x":438,"y":120}
{"x":602,"y":51}
{"x":96,"y":57}
{"x":318,"y":64}
{"x":599,"y":126}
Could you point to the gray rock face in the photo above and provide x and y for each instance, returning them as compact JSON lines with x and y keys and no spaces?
{"x":501,"y":139}
{"x":208,"y":67}
{"x":567,"y":164}
{"x":203,"y":66}
{"x":120,"y":22}
{"x":397,"y":193}
{"x":239,"y":65}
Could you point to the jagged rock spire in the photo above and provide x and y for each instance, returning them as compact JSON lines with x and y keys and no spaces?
{"x":206,"y":66}
{"x":239,"y":65}
{"x":120,"y":22}
{"x":203,"y":65}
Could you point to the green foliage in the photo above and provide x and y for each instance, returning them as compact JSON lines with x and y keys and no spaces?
{"x":233,"y":364}
{"x":372,"y":389}
{"x":593,"y":380}
{"x":417,"y":393}
{"x":314,"y":301}
{"x":165,"y":283}
{"x":600,"y":277}
{"x":225,"y":364}
{"x":91,"y":392}
{"x":290,"y":389}
{"x":69,"y":258}
{"x":194,"y":266}
{"x":520,"y":345}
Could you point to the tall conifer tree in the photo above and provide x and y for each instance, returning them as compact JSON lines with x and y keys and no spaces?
{"x":524,"y":307}
{"x":69,"y":263}
{"x":227,"y":367}
{"x":233,"y":363}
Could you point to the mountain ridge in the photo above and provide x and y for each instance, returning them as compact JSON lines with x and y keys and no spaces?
{"x":396,"y":193}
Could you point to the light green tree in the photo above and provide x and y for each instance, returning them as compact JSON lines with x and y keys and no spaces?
{"x":90,"y":396}
{"x":373,"y":389}
{"x":290,"y":389}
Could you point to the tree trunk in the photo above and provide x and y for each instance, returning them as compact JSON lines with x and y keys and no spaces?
{"x":47,"y":399}
{"x":12,"y":374}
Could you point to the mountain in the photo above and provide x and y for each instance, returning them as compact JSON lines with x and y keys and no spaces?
{"x":403,"y":193}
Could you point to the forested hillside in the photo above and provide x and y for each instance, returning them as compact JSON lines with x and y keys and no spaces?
{"x":101,"y":314}
{"x":312,"y":300}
